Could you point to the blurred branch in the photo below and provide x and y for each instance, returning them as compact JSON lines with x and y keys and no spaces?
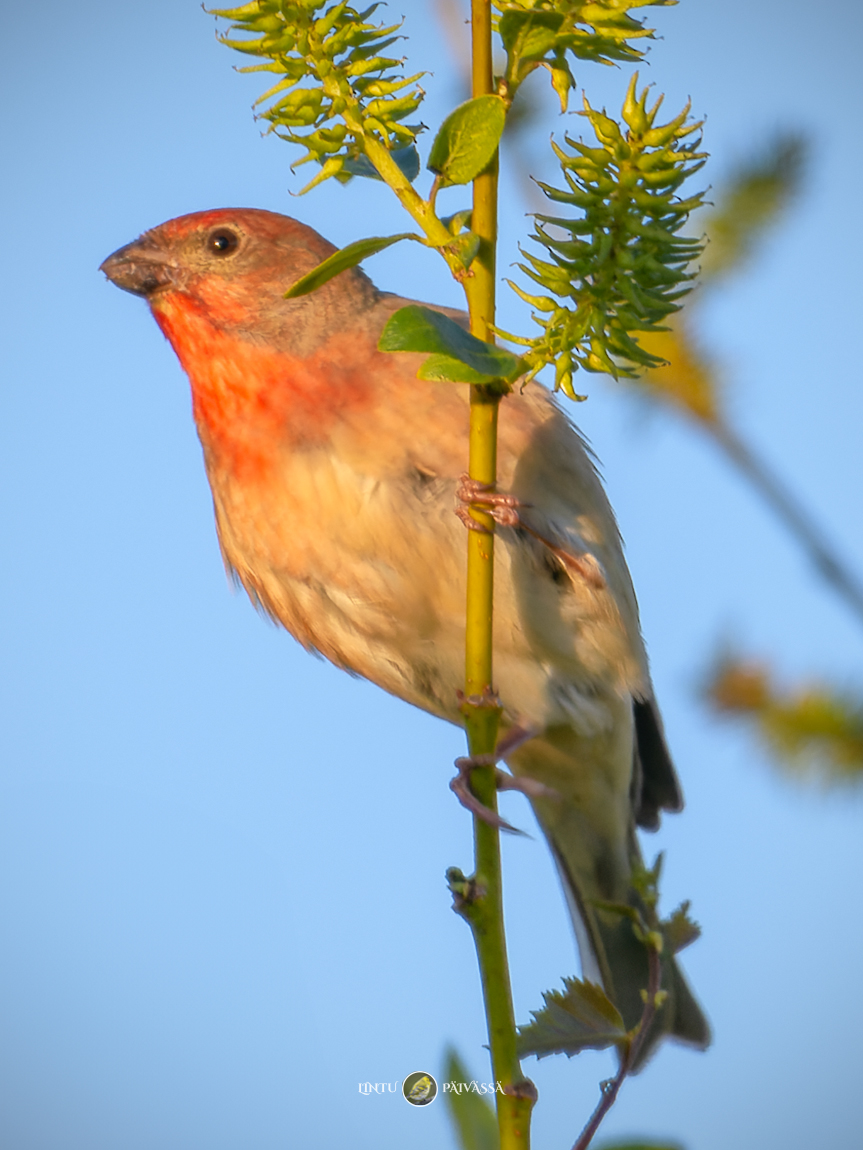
{"x":801,"y":524}
{"x":687,"y":381}
{"x":810,"y":729}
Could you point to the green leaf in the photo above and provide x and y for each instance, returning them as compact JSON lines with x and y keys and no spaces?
{"x":474,"y":1120}
{"x":456,"y":222}
{"x":640,"y":1146}
{"x":447,"y":369}
{"x":529,"y":34}
{"x":454,"y":354}
{"x":679,"y":930}
{"x":582,"y":1018}
{"x":467,"y":140}
{"x":465,"y":248}
{"x":343,"y":259}
{"x":562,"y":80}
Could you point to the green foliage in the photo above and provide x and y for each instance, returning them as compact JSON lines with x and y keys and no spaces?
{"x":340,"y":261}
{"x":624,"y":267}
{"x":583,"y":1017}
{"x":454,"y":354}
{"x":541,"y":33}
{"x":812,"y":728}
{"x":754,"y":197}
{"x":355,"y":91}
{"x":474,"y":1120}
{"x":467,"y":140}
{"x":640,"y":1146}
{"x":678,"y":930}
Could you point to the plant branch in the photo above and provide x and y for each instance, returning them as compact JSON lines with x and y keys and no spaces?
{"x":483,"y":909}
{"x":796,"y":519}
{"x":611,"y":1088}
{"x":421,"y":211}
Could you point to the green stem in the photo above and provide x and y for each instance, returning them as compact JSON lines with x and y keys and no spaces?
{"x":479,"y":900}
{"x":484,"y":907}
{"x":422,"y":211}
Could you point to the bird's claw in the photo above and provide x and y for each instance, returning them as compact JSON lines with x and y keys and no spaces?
{"x":502,"y":508}
{"x":460,"y":785}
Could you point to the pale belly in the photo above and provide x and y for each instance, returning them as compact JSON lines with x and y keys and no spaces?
{"x":371,"y":573}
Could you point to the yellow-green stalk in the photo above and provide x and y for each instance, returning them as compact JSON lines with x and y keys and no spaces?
{"x":485,"y":911}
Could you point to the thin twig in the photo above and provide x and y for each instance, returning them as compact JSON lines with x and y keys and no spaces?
{"x":611,"y":1088}
{"x":804,"y":528}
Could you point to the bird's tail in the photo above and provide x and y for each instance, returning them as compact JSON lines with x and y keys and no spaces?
{"x":590,"y":828}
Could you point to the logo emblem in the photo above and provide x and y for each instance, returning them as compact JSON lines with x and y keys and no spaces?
{"x":419,"y":1088}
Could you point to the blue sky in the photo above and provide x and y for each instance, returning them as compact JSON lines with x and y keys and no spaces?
{"x":221,"y":861}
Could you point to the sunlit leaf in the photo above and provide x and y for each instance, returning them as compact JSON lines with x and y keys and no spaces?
{"x":457,"y":221}
{"x":530,"y":33}
{"x":454,"y":354}
{"x":465,"y":247}
{"x":343,"y":259}
{"x":467,"y":140}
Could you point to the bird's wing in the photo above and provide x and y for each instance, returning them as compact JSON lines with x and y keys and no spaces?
{"x":602,"y":749}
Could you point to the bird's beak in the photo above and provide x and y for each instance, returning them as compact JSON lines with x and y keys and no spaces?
{"x":141,"y":267}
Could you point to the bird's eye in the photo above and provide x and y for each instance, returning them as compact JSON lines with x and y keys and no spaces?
{"x":222,"y":242}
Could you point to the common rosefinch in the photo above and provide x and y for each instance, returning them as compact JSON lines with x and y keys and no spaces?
{"x":333,"y":472}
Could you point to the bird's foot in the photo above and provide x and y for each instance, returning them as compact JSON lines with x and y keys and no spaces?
{"x":460,"y":785}
{"x":503,"y":508}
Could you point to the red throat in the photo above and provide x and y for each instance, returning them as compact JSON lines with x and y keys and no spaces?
{"x":250,"y":400}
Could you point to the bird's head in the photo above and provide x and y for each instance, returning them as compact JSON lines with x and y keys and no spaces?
{"x":234,"y":265}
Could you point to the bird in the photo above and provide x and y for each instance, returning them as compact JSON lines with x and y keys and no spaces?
{"x":334,"y":473}
{"x":421,"y":1091}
